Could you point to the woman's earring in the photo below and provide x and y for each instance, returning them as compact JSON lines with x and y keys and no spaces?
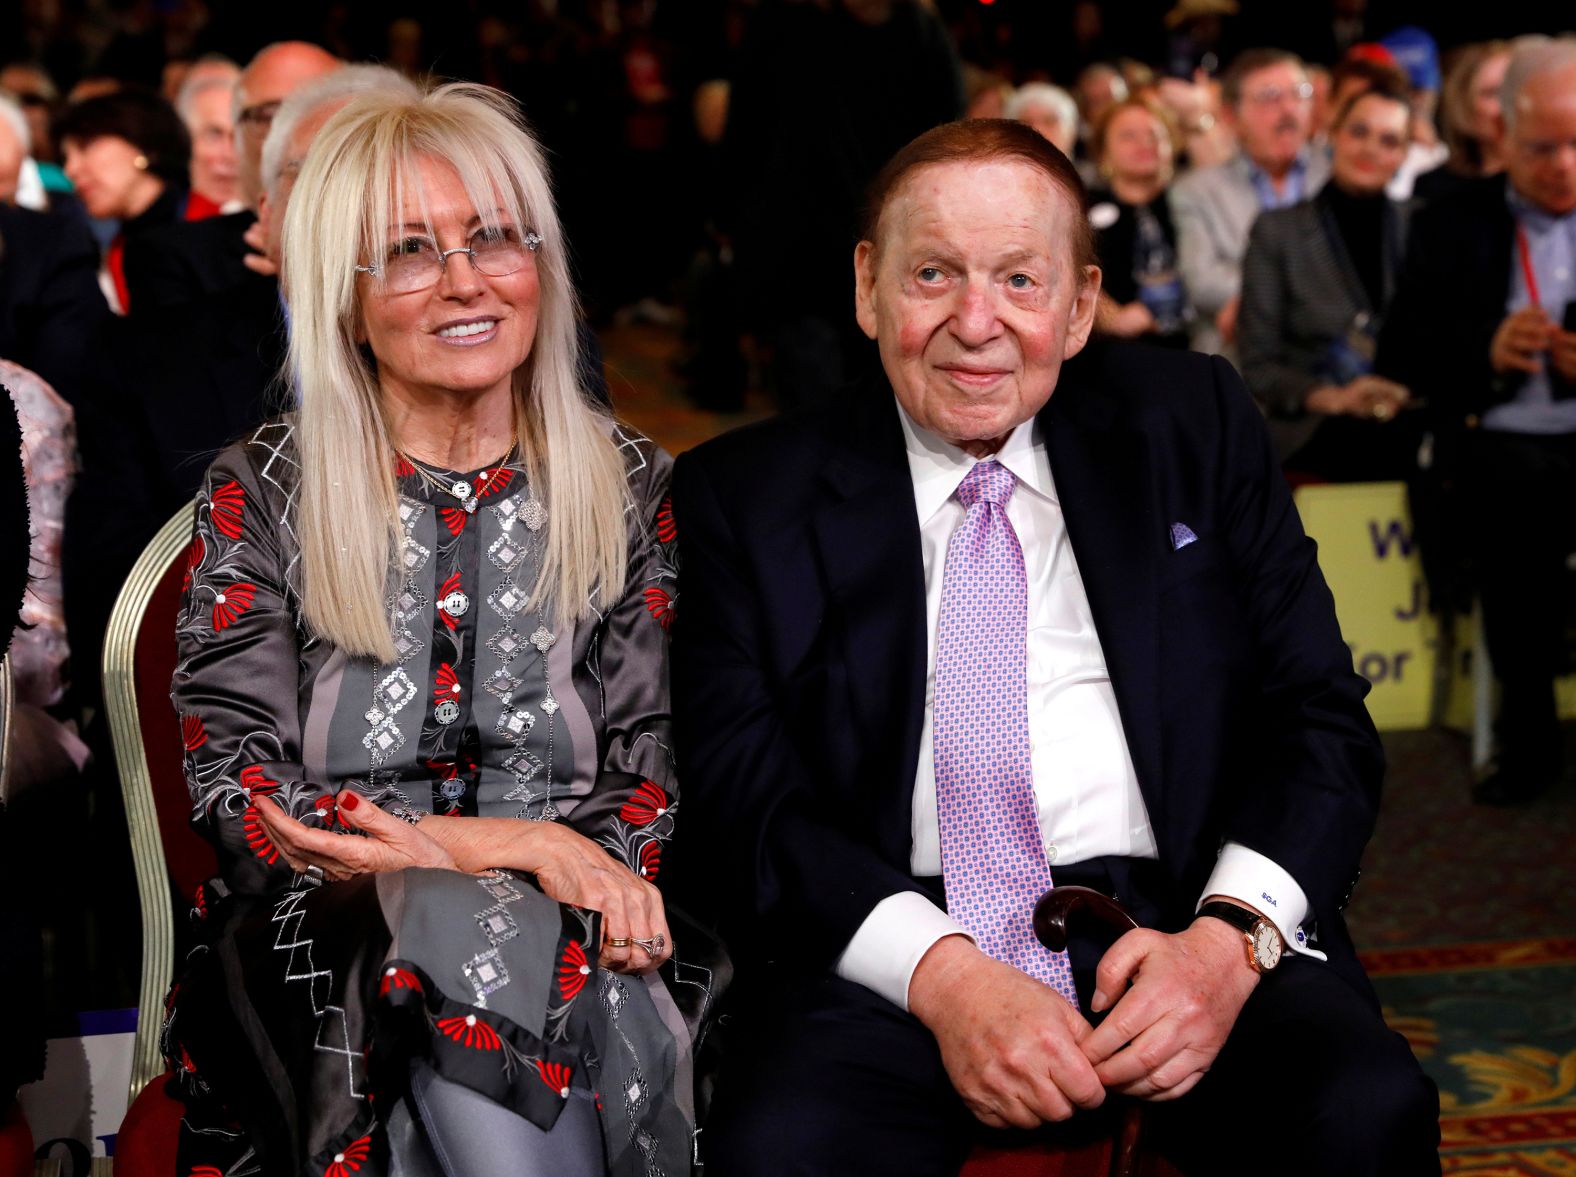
{"x":140,"y":163}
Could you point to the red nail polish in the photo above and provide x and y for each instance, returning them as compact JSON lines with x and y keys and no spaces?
{"x":348,"y":800}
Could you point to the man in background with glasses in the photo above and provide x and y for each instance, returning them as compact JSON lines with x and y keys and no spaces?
{"x":1268,"y":102}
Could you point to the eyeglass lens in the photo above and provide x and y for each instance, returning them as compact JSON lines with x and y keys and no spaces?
{"x":413,"y":263}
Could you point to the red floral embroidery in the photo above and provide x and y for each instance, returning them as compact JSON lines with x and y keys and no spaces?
{"x":645,"y":805}
{"x":396,"y":978}
{"x":556,"y":1076}
{"x":349,"y":1161}
{"x":205,"y":1171}
{"x":573,"y":970}
{"x":495,"y":483}
{"x":193,"y":558}
{"x":660,"y":605}
{"x":327,"y":810}
{"x":232,"y":601}
{"x":454,"y":519}
{"x":193,"y":734}
{"x":470,"y":1031}
{"x":403,"y":467}
{"x":445,"y":684}
{"x":452,"y":585}
{"x":650,"y":860}
{"x":667,"y":526}
{"x":228,"y":504}
{"x":200,"y":901}
{"x":257,"y":785}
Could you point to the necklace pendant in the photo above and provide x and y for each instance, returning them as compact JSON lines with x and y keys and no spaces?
{"x":469,"y":505}
{"x":461,"y":490}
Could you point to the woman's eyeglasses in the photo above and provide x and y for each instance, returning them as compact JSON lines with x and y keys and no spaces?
{"x":416,"y":263}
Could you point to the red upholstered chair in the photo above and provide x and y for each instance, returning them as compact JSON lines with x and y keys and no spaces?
{"x":171,"y":859}
{"x":1120,"y":1154}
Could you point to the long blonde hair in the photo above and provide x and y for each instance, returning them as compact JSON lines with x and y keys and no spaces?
{"x":350,"y":189}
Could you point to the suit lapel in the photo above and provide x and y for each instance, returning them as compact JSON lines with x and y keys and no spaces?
{"x":1103,"y":480}
{"x":868,"y":538}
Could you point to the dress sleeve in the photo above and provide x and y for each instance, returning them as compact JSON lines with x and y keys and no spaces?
{"x":631,"y":811}
{"x":237,"y":677}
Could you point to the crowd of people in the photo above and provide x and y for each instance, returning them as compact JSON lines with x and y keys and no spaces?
{"x":1382,"y":240}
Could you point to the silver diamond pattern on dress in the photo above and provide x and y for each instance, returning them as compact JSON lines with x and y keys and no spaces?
{"x":507,"y":599}
{"x":486,"y":973}
{"x":396,"y":691}
{"x":505,"y":644}
{"x":506,"y":553}
{"x":501,"y":686}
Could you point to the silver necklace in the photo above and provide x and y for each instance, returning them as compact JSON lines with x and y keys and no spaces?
{"x":460,"y":489}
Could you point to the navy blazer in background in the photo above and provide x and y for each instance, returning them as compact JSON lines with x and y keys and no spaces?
{"x":799,"y":655}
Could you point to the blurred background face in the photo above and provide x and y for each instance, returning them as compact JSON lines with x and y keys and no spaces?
{"x":1540,"y":146}
{"x":1486,"y":112}
{"x":1273,"y":114}
{"x":107,"y":179}
{"x":1368,"y":146}
{"x":271,"y":77}
{"x":213,"y":146}
{"x":10,"y":162}
{"x":1051,"y":128}
{"x":1137,"y":146}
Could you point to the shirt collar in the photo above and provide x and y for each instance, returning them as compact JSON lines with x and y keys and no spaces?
{"x":1533,"y":216}
{"x":937,"y":467}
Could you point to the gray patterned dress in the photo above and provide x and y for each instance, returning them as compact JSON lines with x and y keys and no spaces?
{"x":295,"y":1023}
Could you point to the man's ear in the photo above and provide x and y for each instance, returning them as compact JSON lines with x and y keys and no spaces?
{"x":1080,"y":317}
{"x":865,"y":263}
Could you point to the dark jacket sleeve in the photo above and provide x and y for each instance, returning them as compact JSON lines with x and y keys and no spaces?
{"x":1277,"y":384}
{"x":777,"y":862}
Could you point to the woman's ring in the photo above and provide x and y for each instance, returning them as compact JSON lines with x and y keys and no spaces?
{"x":312,"y":876}
{"x":620,"y":941}
{"x":1381,"y":410}
{"x":654,"y":945}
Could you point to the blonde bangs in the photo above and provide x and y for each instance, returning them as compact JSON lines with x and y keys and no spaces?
{"x":360,"y":168}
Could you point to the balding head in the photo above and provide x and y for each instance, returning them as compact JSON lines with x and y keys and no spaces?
{"x":268,"y":80}
{"x":1539,"y":110}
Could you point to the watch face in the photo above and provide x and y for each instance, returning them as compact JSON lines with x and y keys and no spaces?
{"x":1266,"y":945}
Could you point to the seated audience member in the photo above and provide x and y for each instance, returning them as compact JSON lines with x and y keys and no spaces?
{"x":205,"y":104}
{"x":1019,"y":611}
{"x":50,"y":301}
{"x":985,"y":94}
{"x":128,"y":155}
{"x":1316,"y":282}
{"x":1141,"y":291}
{"x":177,"y":385}
{"x":182,"y":263}
{"x":1483,"y":326}
{"x":486,"y":949}
{"x":1206,"y":138}
{"x":1050,"y":110}
{"x":35,"y":92}
{"x":1099,"y":87}
{"x":1267,"y":100}
{"x":1416,"y":54}
{"x":1473,"y":126}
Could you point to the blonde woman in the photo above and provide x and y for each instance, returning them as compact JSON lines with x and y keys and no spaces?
{"x":423,"y":686}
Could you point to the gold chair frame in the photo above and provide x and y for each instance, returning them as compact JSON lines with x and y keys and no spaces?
{"x":142,"y":820}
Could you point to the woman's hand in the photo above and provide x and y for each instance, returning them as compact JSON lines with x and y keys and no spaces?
{"x":1370,"y":397}
{"x":573,"y":869}
{"x":390,"y":844}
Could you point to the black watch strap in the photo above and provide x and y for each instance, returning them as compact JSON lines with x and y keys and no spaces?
{"x":1238,"y":917}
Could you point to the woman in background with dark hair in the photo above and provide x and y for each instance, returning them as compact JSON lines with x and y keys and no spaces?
{"x":128,"y":155}
{"x":1317,"y":280}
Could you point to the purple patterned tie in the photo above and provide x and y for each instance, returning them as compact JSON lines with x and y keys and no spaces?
{"x":992,"y":858}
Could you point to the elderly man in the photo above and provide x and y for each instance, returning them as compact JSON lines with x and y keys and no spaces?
{"x":184,"y":263}
{"x":1006,"y":615}
{"x":1268,"y":101}
{"x":1484,"y":326}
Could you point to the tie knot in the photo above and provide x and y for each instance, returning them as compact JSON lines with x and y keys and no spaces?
{"x":988,"y":482}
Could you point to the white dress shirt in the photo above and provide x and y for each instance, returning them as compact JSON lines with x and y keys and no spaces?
{"x":1086,"y":792}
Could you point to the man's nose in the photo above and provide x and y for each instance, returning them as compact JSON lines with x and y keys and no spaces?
{"x":975,"y":319}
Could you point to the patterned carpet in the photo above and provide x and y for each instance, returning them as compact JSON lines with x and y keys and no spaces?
{"x":1465,"y":914}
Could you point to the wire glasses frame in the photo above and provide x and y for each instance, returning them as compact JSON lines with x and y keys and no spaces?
{"x":495,"y":257}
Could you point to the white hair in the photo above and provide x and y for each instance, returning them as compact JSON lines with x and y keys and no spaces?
{"x":361,"y":167}
{"x":346,"y":82}
{"x":1046,"y":97}
{"x":1532,"y":57}
{"x":11,"y":114}
{"x":213,"y":73}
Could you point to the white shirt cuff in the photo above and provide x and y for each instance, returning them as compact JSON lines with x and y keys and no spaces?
{"x":885,"y":951}
{"x":1249,"y":877}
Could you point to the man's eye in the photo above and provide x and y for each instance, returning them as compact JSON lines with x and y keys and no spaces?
{"x":1020,"y":281}
{"x":929,"y":274}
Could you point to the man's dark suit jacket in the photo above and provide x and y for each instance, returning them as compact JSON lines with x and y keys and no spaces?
{"x":1450,"y":301}
{"x":50,"y":302}
{"x":185,"y":261}
{"x":800,"y":647}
